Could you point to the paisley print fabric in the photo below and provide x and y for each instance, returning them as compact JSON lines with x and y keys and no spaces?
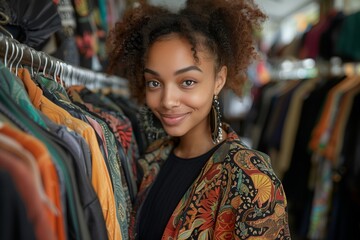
{"x":236,"y":196}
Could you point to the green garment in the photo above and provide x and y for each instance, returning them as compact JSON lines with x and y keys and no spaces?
{"x":15,"y":88}
{"x":347,"y":44}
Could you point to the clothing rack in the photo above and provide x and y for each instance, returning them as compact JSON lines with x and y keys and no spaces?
{"x":14,"y":53}
{"x":289,"y":69}
{"x":309,"y":68}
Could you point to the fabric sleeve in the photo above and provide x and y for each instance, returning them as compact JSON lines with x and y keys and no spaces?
{"x":259,"y":199}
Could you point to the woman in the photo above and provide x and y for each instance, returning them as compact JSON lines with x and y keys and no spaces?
{"x":200,"y":181}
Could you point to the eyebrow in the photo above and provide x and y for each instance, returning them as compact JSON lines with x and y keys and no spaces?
{"x":180,"y":71}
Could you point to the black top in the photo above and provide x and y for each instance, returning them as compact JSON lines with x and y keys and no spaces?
{"x":175,"y":177}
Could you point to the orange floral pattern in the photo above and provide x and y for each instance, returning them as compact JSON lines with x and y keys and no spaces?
{"x":236,"y":196}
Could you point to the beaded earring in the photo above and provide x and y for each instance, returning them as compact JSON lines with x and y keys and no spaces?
{"x":215,"y":121}
{"x":150,"y":124}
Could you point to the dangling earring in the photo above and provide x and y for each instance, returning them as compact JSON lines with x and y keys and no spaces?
{"x":215,"y":121}
{"x":150,"y":124}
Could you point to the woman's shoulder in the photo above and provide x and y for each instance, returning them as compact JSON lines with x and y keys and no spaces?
{"x":250,"y":161}
{"x":238,"y":152}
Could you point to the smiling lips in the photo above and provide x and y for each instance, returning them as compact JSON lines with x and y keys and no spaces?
{"x":173,"y":119}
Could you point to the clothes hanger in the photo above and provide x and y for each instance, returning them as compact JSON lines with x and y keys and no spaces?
{"x":45,"y":65}
{"x":11,"y":60}
{"x":68,"y":73}
{"x":51,"y":67}
{"x":21,"y":49}
{"x":32,"y":63}
{"x":17,"y":50}
{"x":55,"y":70}
{"x":39,"y":66}
{"x":61,"y":73}
{"x":57,"y":73}
{"x":6,"y":52}
{"x":73,"y":76}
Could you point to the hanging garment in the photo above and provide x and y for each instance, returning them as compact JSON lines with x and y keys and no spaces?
{"x":76,"y":143}
{"x":100,"y":176}
{"x":32,"y":27}
{"x":77,"y":228}
{"x":132,"y":112}
{"x":65,"y":39}
{"x":89,"y":200}
{"x":330,"y":37}
{"x":14,"y":220}
{"x":125,"y":163}
{"x":344,"y":220}
{"x":27,"y":185}
{"x":320,"y":206}
{"x":274,"y":127}
{"x":347,"y":46}
{"x":10,"y":84}
{"x":121,"y":195}
{"x":119,"y":124}
{"x":291,"y":124}
{"x":49,"y":177}
{"x":339,"y":103}
{"x":85,"y":34}
{"x":296,"y":178}
{"x":267,"y":103}
{"x":334,"y":144}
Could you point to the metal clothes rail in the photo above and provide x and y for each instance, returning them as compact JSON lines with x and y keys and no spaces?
{"x":14,"y":54}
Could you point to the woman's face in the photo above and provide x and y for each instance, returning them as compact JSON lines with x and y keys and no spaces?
{"x":180,"y":91}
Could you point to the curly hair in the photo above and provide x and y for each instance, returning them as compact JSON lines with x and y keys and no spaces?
{"x":225,"y":28}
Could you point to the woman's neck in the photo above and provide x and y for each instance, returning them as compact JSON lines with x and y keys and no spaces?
{"x":190,"y":146}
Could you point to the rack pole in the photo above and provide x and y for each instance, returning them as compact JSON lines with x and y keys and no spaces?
{"x":15,"y":53}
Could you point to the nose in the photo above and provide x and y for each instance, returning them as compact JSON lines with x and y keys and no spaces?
{"x":170,"y":97}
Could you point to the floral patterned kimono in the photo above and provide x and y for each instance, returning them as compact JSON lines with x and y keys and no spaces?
{"x":236,"y":196}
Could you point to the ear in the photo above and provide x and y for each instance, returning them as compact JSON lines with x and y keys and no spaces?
{"x":220,"y":80}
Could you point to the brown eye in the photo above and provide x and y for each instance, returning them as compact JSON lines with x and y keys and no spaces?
{"x":153,"y":84}
{"x":188,"y":83}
